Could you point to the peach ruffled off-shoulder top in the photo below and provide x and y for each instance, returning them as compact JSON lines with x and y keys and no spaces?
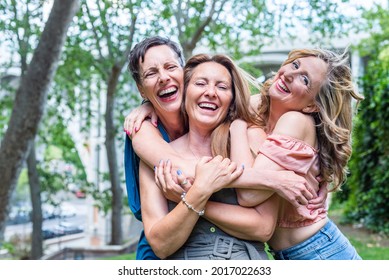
{"x":295,"y":155}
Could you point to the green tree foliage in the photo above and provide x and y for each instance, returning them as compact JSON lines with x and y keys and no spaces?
{"x":29,"y":102}
{"x":243,"y":27}
{"x":97,"y":47}
{"x":367,"y":192}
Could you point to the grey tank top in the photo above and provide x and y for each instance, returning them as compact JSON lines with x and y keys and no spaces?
{"x":207,"y":241}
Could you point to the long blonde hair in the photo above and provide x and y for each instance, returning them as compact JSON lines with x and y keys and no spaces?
{"x":334,"y":118}
{"x":239,"y":107}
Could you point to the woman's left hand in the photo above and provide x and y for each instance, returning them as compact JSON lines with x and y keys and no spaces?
{"x":213,"y":174}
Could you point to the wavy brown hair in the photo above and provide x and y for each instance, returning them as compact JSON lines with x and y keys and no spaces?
{"x":334,"y":118}
{"x":239,"y":107}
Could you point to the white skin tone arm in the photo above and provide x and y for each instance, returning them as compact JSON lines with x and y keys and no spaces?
{"x":241,"y":153}
{"x":255,"y":223}
{"x":286,"y":125}
{"x":167,"y":231}
{"x":151,"y":148}
{"x":286,"y":183}
{"x":148,"y":142}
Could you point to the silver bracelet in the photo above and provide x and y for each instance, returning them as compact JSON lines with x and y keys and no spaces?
{"x":190,"y":207}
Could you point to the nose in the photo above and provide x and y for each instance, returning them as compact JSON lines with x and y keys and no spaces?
{"x":288,"y":75}
{"x":163,"y":77}
{"x":211,"y":91}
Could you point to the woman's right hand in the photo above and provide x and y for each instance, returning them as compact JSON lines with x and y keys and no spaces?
{"x":134,"y":120}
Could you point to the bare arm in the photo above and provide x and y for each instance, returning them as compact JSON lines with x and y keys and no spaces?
{"x":168,"y":231}
{"x":257,"y":223}
{"x":285,"y":126}
{"x":242,"y":141}
{"x":247,"y":223}
{"x":240,"y":147}
{"x":151,"y":148}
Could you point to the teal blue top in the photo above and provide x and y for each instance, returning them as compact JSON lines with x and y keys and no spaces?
{"x":131,"y":168}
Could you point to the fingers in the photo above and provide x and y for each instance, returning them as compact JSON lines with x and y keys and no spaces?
{"x":154,"y":119}
{"x":216,"y":173}
{"x":137,"y":124}
{"x":183,"y":181}
{"x":131,"y":122}
{"x":127,"y":126}
{"x":302,"y":200}
{"x":320,"y":201}
{"x":159,"y":175}
{"x":166,"y":182}
{"x":205,"y":159}
{"x":237,"y":172}
{"x":305,"y":193}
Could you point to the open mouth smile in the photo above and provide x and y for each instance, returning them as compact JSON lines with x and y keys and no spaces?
{"x":282,"y":86}
{"x":208,"y":106}
{"x":165,"y":93}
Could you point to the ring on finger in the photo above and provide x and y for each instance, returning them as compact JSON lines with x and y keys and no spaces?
{"x":184,"y":183}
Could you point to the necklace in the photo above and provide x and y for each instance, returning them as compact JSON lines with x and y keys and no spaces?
{"x":197,"y":158}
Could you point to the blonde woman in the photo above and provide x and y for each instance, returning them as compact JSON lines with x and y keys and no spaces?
{"x":305,"y":122}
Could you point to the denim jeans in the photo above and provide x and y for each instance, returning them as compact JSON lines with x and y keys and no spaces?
{"x":327,"y":244}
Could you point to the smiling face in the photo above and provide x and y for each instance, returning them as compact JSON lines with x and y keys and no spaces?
{"x":296,"y":84}
{"x":208,"y":95}
{"x":161,"y":79}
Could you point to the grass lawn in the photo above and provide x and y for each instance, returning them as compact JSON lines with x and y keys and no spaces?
{"x":370,"y":246}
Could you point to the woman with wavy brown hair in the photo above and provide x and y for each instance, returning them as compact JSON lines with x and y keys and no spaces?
{"x":305,"y":123}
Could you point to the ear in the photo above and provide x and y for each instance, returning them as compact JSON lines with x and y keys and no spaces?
{"x":311,"y":109}
{"x":140,"y":89}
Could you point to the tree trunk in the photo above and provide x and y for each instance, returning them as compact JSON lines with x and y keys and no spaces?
{"x":35,"y":193}
{"x":30,"y":101}
{"x":116,"y":221}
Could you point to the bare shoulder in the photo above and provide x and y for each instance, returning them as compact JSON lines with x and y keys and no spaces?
{"x":297,"y":125}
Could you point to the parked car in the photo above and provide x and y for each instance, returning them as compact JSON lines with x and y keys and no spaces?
{"x":19,"y":214}
{"x":68,"y":228}
{"x":80,"y":194}
{"x":62,"y":229}
{"x":48,"y":233}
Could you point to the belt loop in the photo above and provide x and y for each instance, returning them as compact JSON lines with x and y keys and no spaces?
{"x":225,"y":239}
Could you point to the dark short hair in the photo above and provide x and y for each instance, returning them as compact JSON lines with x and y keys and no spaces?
{"x":140,"y":49}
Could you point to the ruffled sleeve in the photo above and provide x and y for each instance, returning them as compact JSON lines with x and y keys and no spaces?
{"x":292,"y":154}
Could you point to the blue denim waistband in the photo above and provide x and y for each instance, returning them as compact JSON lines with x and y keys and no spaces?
{"x":325,"y":234}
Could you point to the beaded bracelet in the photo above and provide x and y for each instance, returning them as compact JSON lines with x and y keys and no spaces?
{"x":190,"y":207}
